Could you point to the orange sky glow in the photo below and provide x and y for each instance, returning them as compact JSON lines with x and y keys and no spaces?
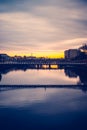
{"x":37,"y":54}
{"x":42,"y":28}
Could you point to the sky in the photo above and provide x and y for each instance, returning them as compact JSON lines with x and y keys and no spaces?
{"x":42,"y":27}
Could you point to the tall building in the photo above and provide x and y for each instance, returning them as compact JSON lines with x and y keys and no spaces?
{"x":71,"y":53}
{"x":84,"y":48}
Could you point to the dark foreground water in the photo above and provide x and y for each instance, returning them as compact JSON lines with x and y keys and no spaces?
{"x":43,"y":109}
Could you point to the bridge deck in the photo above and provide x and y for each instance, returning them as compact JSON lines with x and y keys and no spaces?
{"x":43,"y":63}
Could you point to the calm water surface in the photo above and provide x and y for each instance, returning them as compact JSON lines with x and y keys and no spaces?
{"x":38,"y":77}
{"x":43,"y":109}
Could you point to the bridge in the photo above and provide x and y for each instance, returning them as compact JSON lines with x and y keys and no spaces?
{"x":41,"y":64}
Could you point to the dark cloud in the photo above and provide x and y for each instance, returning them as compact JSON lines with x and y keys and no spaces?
{"x":20,"y":5}
{"x":10,"y":2}
{"x":29,"y":5}
{"x":25,"y":5}
{"x":82,"y":1}
{"x":30,"y":2}
{"x":83,"y":22}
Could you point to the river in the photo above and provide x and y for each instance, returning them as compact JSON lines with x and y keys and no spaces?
{"x":43,"y":108}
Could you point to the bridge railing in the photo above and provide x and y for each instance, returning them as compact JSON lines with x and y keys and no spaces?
{"x":44,"y":63}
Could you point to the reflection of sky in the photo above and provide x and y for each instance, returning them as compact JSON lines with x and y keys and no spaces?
{"x":21,"y":97}
{"x":51,"y":101}
{"x":38,"y":77}
{"x":42,"y":25}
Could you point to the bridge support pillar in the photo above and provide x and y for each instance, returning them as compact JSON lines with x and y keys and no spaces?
{"x":57,"y":66}
{"x":49,"y":66}
{"x":39,"y":66}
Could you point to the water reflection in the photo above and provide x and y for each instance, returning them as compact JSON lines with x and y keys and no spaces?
{"x":43,"y":108}
{"x":54,"y":97}
{"x":44,"y":75}
{"x":55,"y":108}
{"x":75,"y":72}
{"x":37,"y":77}
{"x":24,"y":97}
